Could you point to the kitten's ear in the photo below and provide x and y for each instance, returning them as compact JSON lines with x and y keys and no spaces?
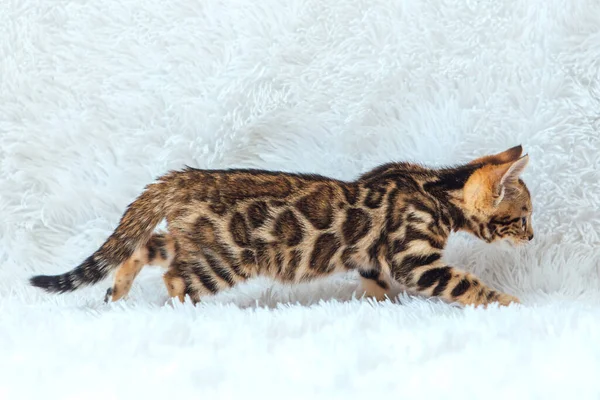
{"x":515,"y":170}
{"x":486,"y":188}
{"x":504,"y":175}
{"x":506,"y":156}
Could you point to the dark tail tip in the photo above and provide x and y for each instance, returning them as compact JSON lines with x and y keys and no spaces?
{"x":53,"y":284}
{"x":87,"y":273}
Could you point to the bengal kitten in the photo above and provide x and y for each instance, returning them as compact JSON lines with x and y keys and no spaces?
{"x":391,"y":224}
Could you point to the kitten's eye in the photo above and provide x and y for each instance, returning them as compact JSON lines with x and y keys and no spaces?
{"x":524,"y":223}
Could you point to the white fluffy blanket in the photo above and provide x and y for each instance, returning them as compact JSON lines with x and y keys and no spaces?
{"x":97,"y":98}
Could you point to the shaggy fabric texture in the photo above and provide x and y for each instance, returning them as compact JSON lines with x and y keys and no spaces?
{"x":97,"y":98}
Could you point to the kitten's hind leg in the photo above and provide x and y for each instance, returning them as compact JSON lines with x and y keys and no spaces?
{"x":159,"y":251}
{"x":124,"y":276}
{"x":202,"y":274}
{"x":374,"y":284}
{"x":175,"y":284}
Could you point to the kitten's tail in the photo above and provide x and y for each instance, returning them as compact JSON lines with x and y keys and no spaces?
{"x":134,"y":230}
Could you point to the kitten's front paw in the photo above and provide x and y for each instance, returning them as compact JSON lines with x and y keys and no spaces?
{"x":505,"y":299}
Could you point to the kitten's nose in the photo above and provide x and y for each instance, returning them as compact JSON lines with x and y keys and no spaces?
{"x":531,"y":236}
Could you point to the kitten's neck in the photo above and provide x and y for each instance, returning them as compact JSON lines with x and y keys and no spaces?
{"x":458,"y":218}
{"x":444,"y":184}
{"x":448,"y":189}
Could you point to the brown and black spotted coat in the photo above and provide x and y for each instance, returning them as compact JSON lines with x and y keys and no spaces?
{"x":391,"y":224}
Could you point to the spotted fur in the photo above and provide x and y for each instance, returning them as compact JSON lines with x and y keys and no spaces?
{"x":391,"y":224}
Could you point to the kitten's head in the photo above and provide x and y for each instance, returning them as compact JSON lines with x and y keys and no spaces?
{"x":497,"y":203}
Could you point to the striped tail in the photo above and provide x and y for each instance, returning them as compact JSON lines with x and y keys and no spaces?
{"x":134,"y":230}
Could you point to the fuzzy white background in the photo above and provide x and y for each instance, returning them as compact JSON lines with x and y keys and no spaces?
{"x":97,"y":98}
